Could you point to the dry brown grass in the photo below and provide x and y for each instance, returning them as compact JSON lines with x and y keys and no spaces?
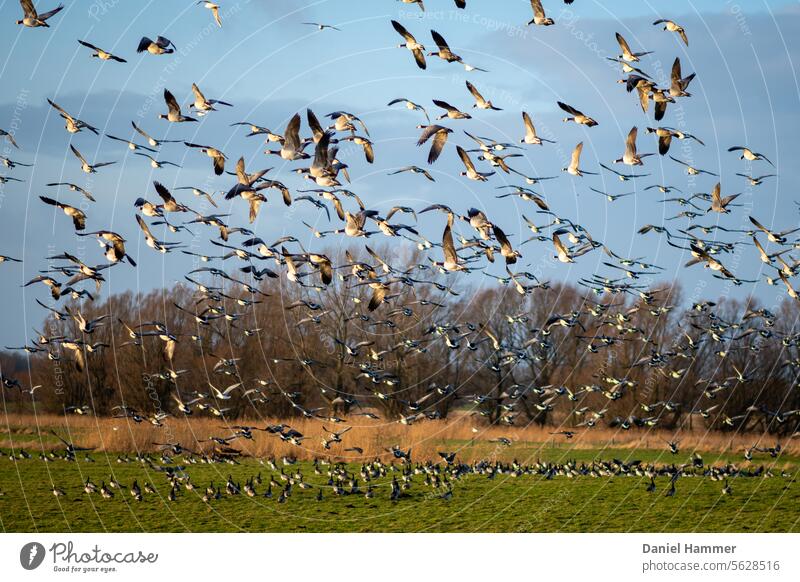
{"x":119,"y":435}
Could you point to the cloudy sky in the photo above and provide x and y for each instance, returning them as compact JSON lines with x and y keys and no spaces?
{"x":270,"y":66}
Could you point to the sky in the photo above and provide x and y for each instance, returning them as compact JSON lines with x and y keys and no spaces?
{"x":270,"y":65}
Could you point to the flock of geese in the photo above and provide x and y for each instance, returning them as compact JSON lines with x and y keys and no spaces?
{"x":314,"y":154}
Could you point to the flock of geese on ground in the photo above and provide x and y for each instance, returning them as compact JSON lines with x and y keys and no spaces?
{"x":315,"y":156}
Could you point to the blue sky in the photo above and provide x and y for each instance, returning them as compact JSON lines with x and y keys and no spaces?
{"x":270,"y":66}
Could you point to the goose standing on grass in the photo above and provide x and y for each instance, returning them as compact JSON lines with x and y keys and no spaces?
{"x":411,"y":44}
{"x":33,"y":19}
{"x":159,"y":46}
{"x":174,"y":114}
{"x":101,"y":54}
{"x":539,"y":17}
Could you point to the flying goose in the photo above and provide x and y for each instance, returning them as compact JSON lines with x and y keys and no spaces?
{"x":691,"y":170}
{"x":77,"y":215}
{"x":719,"y":204}
{"x":217,"y":157}
{"x":678,"y":83}
{"x":470,"y":171}
{"x":749,"y":155}
{"x":630,"y":157}
{"x":174,"y":114}
{"x":131,"y":145}
{"x":33,"y":19}
{"x":480,"y":102}
{"x":154,"y":163}
{"x":451,"y":261}
{"x":159,"y":46}
{"x":530,"y":132}
{"x":451,"y":112}
{"x":756,"y":181}
{"x":72,"y":124}
{"x":539,"y":17}
{"x":577,"y":116}
{"x":409,"y":105}
{"x":85,"y":166}
{"x":627,"y":55}
{"x":214,"y":10}
{"x":411,"y":44}
{"x":151,"y":241}
{"x":673,"y":27}
{"x":419,"y":3}
{"x":75,"y":188}
{"x":413,"y":170}
{"x":203,"y":105}
{"x":575,"y":162}
{"x":114,"y":243}
{"x":439,"y":134}
{"x":9,"y":137}
{"x":444,"y":51}
{"x":321,"y":26}
{"x":151,"y":140}
{"x":101,"y":54}
{"x":292,"y":147}
{"x":11,"y":164}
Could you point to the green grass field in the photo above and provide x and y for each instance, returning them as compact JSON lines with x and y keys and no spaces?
{"x":503,"y":504}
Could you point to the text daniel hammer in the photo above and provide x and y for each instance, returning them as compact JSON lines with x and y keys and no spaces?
{"x":687,"y":549}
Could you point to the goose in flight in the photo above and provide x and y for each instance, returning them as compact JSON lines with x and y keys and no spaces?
{"x":577,"y":116}
{"x":419,"y":3}
{"x":214,"y":10}
{"x":151,"y":140}
{"x":630,"y":157}
{"x":450,"y":111}
{"x":11,"y":164}
{"x":480,"y":102}
{"x":9,"y":138}
{"x":575,"y":161}
{"x":217,"y":157}
{"x":411,"y":44}
{"x":679,"y":83}
{"x":452,"y":262}
{"x":153,"y":242}
{"x":413,"y":170}
{"x":159,"y":46}
{"x":321,"y":26}
{"x":622,"y":176}
{"x":154,"y":163}
{"x":33,"y":19}
{"x":75,"y":188}
{"x":691,"y":170}
{"x":174,"y":114}
{"x":539,"y":17}
{"x":114,"y":245}
{"x":85,"y":166}
{"x":100,"y":53}
{"x":756,"y":180}
{"x":470,"y":171}
{"x":292,"y":147}
{"x":131,"y":145}
{"x":719,"y":204}
{"x":627,"y":55}
{"x":561,"y":250}
{"x":202,"y":105}
{"x":439,"y":134}
{"x":672,"y":26}
{"x":444,"y":51}
{"x":72,"y":124}
{"x":749,"y":155}
{"x":410,"y":105}
{"x":76,"y":214}
{"x":530,"y":132}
